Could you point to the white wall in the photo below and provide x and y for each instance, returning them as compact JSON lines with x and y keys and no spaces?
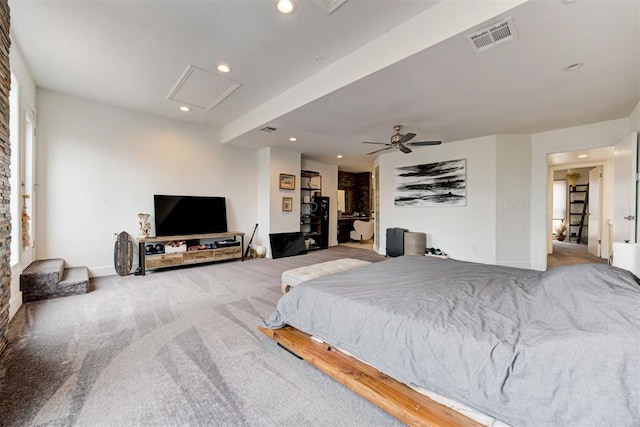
{"x":99,"y":166}
{"x":495,"y":227}
{"x":570,"y":139}
{"x":329,"y":175}
{"x":634,"y":119}
{"x":466,"y":233}
{"x":513,"y":194}
{"x":272,"y":162}
{"x":21,"y":71}
{"x":264,"y":194}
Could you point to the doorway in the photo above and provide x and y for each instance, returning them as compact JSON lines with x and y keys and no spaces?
{"x":582,"y":186}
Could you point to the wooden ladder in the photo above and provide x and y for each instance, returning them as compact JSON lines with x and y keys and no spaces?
{"x":580,"y":224}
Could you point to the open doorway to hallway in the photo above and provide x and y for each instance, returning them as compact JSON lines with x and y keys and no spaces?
{"x":581,"y":206}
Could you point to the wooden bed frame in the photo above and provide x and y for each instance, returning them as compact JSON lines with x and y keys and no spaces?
{"x":397,"y":399}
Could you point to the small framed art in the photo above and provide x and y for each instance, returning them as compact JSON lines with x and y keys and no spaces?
{"x":287,"y":204}
{"x":287,"y":182}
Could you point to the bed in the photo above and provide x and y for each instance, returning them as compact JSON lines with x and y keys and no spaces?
{"x":528,"y":348}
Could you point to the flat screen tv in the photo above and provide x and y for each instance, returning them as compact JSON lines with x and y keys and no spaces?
{"x":178,"y":215}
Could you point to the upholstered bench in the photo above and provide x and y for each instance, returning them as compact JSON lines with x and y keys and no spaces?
{"x":291,"y":278}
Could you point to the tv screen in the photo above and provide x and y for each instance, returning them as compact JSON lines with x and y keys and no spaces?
{"x":178,"y":215}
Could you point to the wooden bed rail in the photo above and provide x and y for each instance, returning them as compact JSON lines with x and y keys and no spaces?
{"x":397,"y":399}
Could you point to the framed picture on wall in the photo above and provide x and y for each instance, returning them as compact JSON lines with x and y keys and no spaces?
{"x":287,"y":204}
{"x":287,"y":182}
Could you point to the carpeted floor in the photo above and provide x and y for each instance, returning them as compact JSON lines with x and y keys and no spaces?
{"x":367,"y":244}
{"x":176,"y":347}
{"x":567,"y":253}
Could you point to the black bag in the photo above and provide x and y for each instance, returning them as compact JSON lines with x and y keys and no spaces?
{"x":395,"y":241}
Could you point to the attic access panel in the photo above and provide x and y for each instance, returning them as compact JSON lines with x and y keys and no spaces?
{"x":202,"y":88}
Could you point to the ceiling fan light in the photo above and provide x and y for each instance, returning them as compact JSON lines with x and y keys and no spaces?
{"x":286,"y":6}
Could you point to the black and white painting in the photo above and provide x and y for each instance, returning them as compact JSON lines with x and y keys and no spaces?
{"x":432,"y":184}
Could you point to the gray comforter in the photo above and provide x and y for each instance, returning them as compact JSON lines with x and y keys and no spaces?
{"x":530,"y":348}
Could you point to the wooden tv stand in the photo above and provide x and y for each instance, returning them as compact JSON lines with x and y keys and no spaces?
{"x":147,"y":262}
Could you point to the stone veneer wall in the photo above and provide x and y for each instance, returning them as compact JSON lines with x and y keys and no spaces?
{"x":361,"y":197}
{"x":360,"y":185}
{"x":5,"y":162}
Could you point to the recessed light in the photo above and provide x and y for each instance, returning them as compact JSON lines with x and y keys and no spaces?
{"x":339,"y":156}
{"x":293,"y":139}
{"x":286,"y":6}
{"x":224,"y":68}
{"x":583,"y":156}
{"x":184,"y":108}
{"x":573,"y":66}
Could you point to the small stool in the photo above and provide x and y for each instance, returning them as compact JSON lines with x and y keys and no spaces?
{"x":294,"y":277}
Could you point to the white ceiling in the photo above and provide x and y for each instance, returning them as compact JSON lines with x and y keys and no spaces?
{"x":375,"y":73}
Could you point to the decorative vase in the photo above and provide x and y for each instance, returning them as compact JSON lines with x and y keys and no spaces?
{"x":560,"y":237}
{"x":145,"y":226}
{"x":261,"y":251}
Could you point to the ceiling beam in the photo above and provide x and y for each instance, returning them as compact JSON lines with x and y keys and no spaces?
{"x":443,"y":20}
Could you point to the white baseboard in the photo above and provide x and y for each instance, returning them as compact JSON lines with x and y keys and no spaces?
{"x":108,"y":270}
{"x":14,"y":304}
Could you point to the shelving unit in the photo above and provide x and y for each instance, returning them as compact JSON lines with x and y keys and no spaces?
{"x":147,"y":262}
{"x":578,"y":209}
{"x":310,"y":214}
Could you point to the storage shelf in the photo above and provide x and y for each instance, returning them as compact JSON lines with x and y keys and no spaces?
{"x":311,"y":224}
{"x":152,"y":261}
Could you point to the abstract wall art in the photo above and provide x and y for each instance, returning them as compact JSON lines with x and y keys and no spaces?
{"x":432,"y":184}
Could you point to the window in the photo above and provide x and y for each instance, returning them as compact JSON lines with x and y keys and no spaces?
{"x":28,"y":178}
{"x":559,"y":202}
{"x":22,"y":179}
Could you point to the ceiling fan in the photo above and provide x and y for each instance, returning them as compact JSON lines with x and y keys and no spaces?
{"x":400,"y":142}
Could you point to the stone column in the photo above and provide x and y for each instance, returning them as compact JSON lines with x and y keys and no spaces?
{"x":5,"y":161}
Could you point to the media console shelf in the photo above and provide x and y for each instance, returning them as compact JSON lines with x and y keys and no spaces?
{"x":148,"y":262}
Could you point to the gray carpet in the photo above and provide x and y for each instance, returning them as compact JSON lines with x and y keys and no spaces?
{"x":176,"y":347}
{"x":569,"y":253}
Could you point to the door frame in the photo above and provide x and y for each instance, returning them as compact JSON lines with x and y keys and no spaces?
{"x":597,"y":208}
{"x":25,"y":112}
{"x":27,"y":254}
{"x":606,"y":195}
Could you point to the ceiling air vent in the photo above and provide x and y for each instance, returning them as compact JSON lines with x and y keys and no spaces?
{"x":269,"y":129}
{"x":490,"y":37}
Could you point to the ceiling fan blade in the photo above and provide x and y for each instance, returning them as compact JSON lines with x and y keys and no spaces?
{"x":407,"y":137}
{"x":382,"y":149}
{"x":379,"y":143}
{"x":419,"y":143}
{"x":404,"y":149}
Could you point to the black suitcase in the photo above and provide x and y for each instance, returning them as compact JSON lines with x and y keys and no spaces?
{"x":395,"y":241}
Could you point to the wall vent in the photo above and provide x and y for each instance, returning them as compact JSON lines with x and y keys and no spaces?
{"x":492,"y":36}
{"x":269,"y":129}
